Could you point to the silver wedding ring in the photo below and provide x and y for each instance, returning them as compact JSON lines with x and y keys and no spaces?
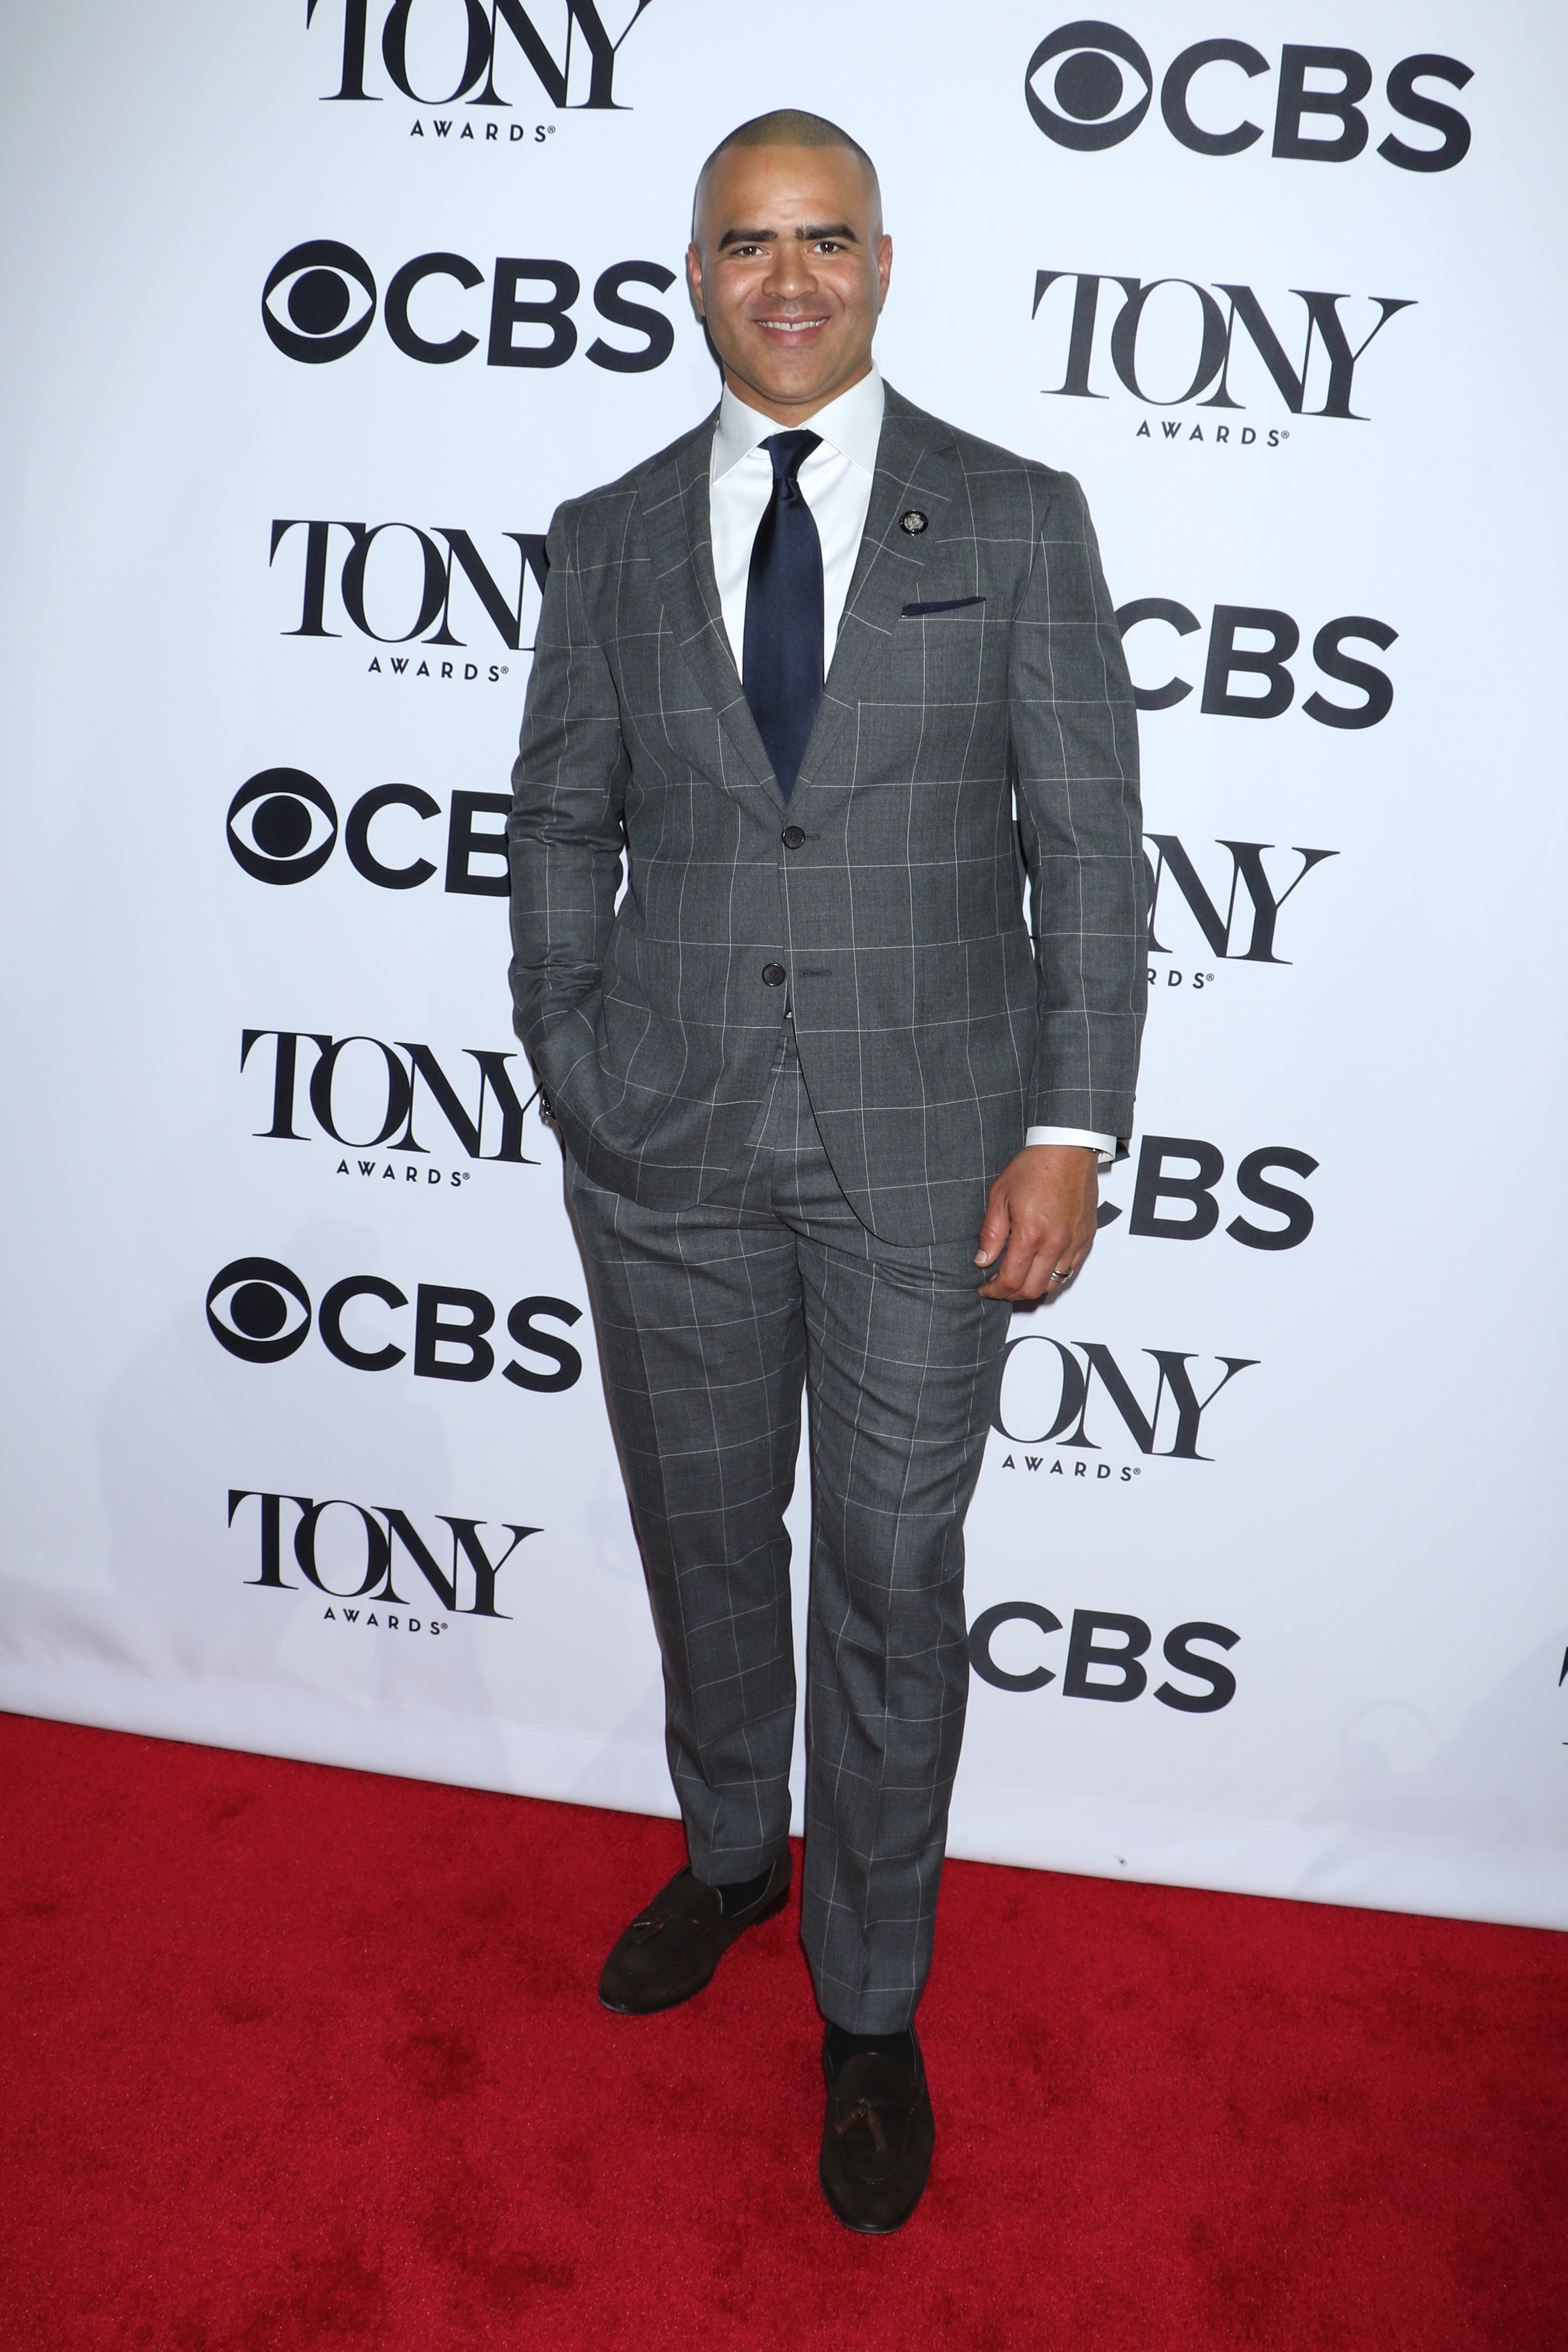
{"x":1057,"y":1276}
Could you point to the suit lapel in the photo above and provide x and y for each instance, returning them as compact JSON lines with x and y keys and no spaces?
{"x":677,"y":516}
{"x":917,"y":470}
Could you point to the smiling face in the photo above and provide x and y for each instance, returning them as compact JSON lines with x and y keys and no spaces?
{"x":789,"y":268}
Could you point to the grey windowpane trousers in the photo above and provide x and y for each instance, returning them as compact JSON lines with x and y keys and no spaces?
{"x":710,"y":1321}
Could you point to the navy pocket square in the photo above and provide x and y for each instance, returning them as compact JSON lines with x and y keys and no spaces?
{"x":951,"y":605}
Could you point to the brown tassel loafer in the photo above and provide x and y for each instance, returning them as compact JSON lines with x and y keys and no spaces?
{"x":675,"y":1943}
{"x":877,"y":2139}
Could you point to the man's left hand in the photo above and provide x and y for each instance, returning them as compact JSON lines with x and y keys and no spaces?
{"x":1042,"y":1207}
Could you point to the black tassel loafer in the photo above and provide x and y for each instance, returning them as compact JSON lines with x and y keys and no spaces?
{"x":675,"y":1943}
{"x":877,"y":2135}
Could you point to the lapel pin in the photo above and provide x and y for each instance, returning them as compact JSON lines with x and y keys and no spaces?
{"x":914,"y":521}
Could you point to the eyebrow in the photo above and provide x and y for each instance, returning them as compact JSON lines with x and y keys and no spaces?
{"x":840,"y":229}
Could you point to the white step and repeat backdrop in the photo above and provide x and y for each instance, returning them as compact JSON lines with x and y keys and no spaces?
{"x":316,"y":308}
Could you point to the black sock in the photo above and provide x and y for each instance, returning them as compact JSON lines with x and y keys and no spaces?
{"x":745,"y":1892}
{"x":842,"y":2046}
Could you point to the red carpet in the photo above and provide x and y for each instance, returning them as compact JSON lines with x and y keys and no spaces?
{"x":298,"y":2058}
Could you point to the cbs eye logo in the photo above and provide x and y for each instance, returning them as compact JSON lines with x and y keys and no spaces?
{"x":321,"y":277}
{"x":1088,"y":86}
{"x":282,"y":827}
{"x":249,"y":1312}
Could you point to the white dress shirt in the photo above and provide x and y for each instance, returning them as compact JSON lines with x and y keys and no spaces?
{"x":836,"y":482}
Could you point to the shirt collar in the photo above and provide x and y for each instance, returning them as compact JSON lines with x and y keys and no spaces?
{"x":852,"y":425}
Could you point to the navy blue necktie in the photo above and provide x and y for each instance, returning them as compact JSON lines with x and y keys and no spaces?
{"x":781,"y":669}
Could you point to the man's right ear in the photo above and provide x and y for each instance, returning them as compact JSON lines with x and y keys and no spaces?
{"x":694,"y":281}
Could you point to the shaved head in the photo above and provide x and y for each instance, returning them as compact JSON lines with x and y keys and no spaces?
{"x":788,"y":263}
{"x":789,"y":126}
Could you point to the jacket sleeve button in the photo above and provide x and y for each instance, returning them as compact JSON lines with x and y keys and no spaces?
{"x":774,"y":974}
{"x":794,"y":837}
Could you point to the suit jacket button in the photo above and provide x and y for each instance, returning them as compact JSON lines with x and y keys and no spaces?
{"x":794,"y":837}
{"x":774,"y":974}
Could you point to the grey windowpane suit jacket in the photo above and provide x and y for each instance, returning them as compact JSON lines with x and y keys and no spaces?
{"x":978,"y":667}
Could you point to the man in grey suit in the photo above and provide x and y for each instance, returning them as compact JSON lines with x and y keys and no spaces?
{"x":831,"y":1104}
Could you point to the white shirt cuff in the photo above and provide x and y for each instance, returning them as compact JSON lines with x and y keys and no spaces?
{"x":1105,"y":1145}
